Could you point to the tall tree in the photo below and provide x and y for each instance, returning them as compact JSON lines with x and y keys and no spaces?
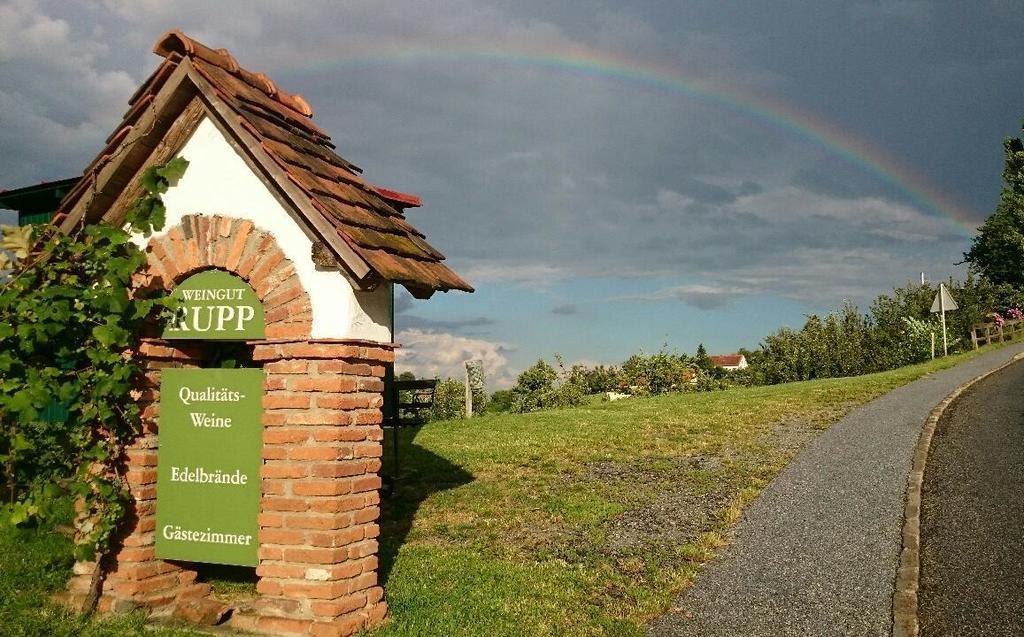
{"x":998,"y":249}
{"x":702,"y":360}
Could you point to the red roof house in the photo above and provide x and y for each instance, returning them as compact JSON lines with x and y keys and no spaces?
{"x":729,"y":361}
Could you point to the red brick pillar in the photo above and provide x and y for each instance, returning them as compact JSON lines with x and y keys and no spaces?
{"x":135,"y":578}
{"x":321,"y":449}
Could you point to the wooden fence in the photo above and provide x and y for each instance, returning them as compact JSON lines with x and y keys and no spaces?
{"x":985,"y":333}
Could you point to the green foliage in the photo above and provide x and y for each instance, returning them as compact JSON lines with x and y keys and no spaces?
{"x":68,"y":325}
{"x":702,"y":361}
{"x":148,"y":213}
{"x":601,"y":379}
{"x":897,"y":332}
{"x":35,"y":563}
{"x":920,"y":334}
{"x":997,"y":251}
{"x":532,"y":386}
{"x":829,"y":348}
{"x":750,"y":376}
{"x":572,"y":390}
{"x":449,"y":400}
{"x":541,"y":387}
{"x":656,"y":373}
{"x":500,"y":402}
{"x":889,"y":343}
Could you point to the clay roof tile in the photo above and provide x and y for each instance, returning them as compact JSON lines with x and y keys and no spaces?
{"x":367,"y":218}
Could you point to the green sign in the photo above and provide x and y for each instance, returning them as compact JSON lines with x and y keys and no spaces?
{"x":217,"y":306}
{"x":208,"y":471}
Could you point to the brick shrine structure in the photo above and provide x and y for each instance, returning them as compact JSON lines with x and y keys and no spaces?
{"x":265,"y":198}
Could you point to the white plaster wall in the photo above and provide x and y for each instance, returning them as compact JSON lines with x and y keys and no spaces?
{"x":218,"y":181}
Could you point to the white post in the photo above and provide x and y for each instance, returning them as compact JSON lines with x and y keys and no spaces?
{"x":933,"y":345}
{"x":942,"y":312}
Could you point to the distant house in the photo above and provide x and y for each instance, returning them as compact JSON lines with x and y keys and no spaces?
{"x":730,"y":362}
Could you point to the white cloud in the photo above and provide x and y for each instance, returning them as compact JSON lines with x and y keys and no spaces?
{"x":526,"y":274}
{"x":432,"y":353}
{"x":882,"y":215}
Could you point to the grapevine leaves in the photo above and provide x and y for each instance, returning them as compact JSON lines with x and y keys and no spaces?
{"x":15,"y":245}
{"x":149,"y":213}
{"x":67,"y":326}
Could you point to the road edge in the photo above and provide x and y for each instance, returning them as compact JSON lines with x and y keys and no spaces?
{"x":908,"y":575}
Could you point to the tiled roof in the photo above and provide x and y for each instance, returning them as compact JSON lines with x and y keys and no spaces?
{"x":727,"y":360}
{"x":373,"y":232}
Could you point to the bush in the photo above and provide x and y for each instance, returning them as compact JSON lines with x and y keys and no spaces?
{"x":541,"y":387}
{"x":449,"y":400}
{"x":601,"y":379}
{"x":572,"y":390}
{"x":532,"y":386}
{"x":500,"y":402}
{"x":829,"y":348}
{"x":655,"y":374}
{"x":919,"y":338}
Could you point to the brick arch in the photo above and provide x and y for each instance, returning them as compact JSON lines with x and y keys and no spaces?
{"x":203,"y":242}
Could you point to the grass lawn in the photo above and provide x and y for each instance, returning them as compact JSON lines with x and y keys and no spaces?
{"x":583,"y":521}
{"x":588,"y":521}
{"x":34,"y":563}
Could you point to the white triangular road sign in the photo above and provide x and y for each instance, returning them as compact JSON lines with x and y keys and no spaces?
{"x":947,"y":302}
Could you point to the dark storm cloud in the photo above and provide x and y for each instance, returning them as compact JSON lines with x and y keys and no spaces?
{"x":703,"y":297}
{"x":536,"y":174}
{"x":406,"y":320}
{"x":411,"y":321}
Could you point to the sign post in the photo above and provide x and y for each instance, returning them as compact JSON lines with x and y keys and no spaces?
{"x":208,"y":476}
{"x":943,"y":303}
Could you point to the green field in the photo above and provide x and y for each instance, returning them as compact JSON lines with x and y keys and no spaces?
{"x":585,"y":521}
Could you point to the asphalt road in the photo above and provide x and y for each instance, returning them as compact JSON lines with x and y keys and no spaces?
{"x":817,"y":552}
{"x":972,"y":514}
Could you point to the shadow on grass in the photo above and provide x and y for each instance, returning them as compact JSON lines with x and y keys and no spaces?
{"x":419,"y":474}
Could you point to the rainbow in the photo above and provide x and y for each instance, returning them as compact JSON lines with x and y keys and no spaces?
{"x":614,"y":66}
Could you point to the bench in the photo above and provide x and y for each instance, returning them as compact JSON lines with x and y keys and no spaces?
{"x":407,"y":404}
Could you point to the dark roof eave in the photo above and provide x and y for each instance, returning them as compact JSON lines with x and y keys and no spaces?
{"x":33,"y":189}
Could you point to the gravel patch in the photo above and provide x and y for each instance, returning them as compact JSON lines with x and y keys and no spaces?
{"x":678,"y":512}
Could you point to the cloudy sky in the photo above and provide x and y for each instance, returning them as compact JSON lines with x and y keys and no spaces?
{"x":611,"y":176}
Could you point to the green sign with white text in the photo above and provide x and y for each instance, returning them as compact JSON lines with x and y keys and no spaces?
{"x":216,"y":306}
{"x":208,"y":470}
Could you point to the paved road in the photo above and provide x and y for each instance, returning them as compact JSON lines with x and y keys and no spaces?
{"x":817,"y":552}
{"x":972,"y":514}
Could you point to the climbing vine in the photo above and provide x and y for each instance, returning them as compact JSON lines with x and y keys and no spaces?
{"x":70,"y":319}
